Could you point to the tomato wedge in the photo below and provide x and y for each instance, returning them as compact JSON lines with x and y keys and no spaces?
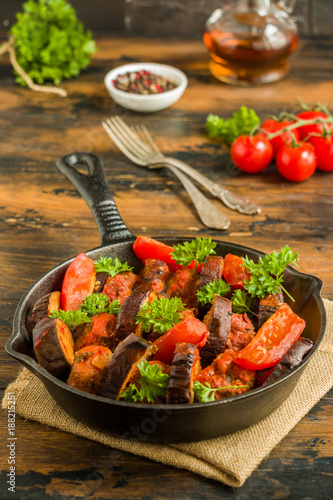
{"x":79,"y":281}
{"x":148,"y":248}
{"x":272,"y":341}
{"x":190,"y":330}
{"x":234,"y":271}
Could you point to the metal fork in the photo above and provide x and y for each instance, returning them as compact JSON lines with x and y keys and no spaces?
{"x":151,"y":159}
{"x":139,"y":150}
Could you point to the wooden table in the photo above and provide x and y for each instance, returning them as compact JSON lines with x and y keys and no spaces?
{"x":44,"y":221}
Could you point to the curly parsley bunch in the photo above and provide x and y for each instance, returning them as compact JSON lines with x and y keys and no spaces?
{"x":50,"y":42}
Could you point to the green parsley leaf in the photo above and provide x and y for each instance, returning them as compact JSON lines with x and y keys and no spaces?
{"x":242,"y":122}
{"x":111,"y":266}
{"x":161,"y":314}
{"x":205,"y":393}
{"x":242,"y":302}
{"x":267,"y":273}
{"x":71,"y":318}
{"x":151,"y":385}
{"x":50,"y":42}
{"x":206,"y":293}
{"x":197,"y":249}
{"x":98,"y":303}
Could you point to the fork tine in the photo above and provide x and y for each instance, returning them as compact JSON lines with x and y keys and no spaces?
{"x":124,"y":128}
{"x":144,"y":131}
{"x":127,"y":141}
{"x":118,"y":140}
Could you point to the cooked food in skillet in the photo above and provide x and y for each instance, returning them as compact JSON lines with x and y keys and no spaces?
{"x":191,"y":327}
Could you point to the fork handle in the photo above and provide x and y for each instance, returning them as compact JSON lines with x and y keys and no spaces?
{"x":232,"y":201}
{"x":209,"y":214}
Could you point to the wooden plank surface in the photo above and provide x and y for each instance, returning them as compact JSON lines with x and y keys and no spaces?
{"x":44,"y":221}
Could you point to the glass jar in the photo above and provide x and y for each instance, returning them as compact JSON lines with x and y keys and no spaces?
{"x":250,"y":41}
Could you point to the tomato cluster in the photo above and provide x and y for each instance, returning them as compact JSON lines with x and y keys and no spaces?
{"x":299,"y":146}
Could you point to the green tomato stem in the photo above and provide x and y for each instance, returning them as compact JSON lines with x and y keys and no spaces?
{"x":298,"y":123}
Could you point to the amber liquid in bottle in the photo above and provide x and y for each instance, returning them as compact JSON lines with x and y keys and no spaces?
{"x":258,"y":54}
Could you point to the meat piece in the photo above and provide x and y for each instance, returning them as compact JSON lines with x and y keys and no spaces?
{"x":54,"y":346}
{"x":119,"y":368}
{"x":99,"y":332}
{"x":290,"y":360}
{"x":185,"y":366}
{"x":211,"y":270}
{"x":42,"y":309}
{"x":268,"y":305}
{"x":128,"y":311}
{"x":218,"y":322}
{"x":121,"y":286}
{"x":234,"y":271}
{"x":241,"y":332}
{"x":87,"y":370}
{"x":157,"y":272}
{"x":184,"y":284}
{"x":223,"y":372}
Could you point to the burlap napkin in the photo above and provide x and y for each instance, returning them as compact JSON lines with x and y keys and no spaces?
{"x":230,"y":459}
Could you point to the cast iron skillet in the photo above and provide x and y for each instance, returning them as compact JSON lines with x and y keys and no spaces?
{"x":156,"y":423}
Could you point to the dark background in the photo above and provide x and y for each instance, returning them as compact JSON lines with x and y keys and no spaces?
{"x":170,"y":18}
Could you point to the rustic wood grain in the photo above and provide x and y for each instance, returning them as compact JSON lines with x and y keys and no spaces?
{"x":44,"y":221}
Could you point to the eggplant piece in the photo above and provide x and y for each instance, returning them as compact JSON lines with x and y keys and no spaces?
{"x":128,"y":311}
{"x":157,"y":272}
{"x":99,"y":331}
{"x":218,"y":322}
{"x":54,"y":346}
{"x":120,"y":367}
{"x":121,"y":286}
{"x":290,"y":360}
{"x":212,"y":269}
{"x":42,"y":309}
{"x":185,"y":366}
{"x":268,"y":305}
{"x":100,"y":281}
{"x":88,"y":366}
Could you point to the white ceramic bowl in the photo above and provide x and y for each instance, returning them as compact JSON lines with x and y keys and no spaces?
{"x":151,"y":102}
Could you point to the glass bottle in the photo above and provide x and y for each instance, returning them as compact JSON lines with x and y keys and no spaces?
{"x":250,"y":41}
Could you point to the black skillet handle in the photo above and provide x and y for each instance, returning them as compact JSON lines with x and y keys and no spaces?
{"x":94,"y":188}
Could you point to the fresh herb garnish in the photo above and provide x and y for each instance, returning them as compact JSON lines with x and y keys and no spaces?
{"x":242,"y":122}
{"x":205,"y":393}
{"x":71,"y":318}
{"x":161,"y":314}
{"x":152,"y":384}
{"x":242,"y":302}
{"x":206,"y":293}
{"x":267,"y":274}
{"x":111,"y":266}
{"x":198,"y":250}
{"x":98,"y":303}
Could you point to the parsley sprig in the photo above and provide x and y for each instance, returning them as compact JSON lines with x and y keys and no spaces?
{"x":111,"y":266}
{"x":242,"y":122}
{"x":98,"y":303}
{"x":93,"y":304}
{"x":267,"y":273}
{"x":198,"y":250}
{"x":151,"y":385}
{"x":206,"y":293}
{"x":242,"y":302}
{"x":205,"y":393}
{"x":161,"y":314}
{"x":71,"y":318}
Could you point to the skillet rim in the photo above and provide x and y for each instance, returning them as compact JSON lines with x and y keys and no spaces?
{"x":36,"y":369}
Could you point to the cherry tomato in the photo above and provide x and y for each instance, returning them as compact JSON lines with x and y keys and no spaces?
{"x":148,"y":248}
{"x":234,"y":271}
{"x":190,"y":330}
{"x":323,"y":147}
{"x":272,"y":341}
{"x":79,"y":281}
{"x":316,"y":128}
{"x":251,"y":154}
{"x":296,"y":163}
{"x":273,"y":126}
